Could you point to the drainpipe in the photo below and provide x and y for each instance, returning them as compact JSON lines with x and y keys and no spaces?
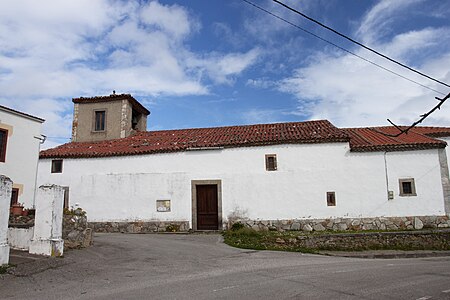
{"x":42,"y":138}
{"x":386,"y":175}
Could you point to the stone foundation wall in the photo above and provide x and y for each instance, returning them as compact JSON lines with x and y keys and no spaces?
{"x":410,"y":240}
{"x":345,"y":224}
{"x":140,"y":227}
{"x":76,"y":231}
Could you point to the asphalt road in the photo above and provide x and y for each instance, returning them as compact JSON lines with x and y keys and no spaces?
{"x":153,"y":266}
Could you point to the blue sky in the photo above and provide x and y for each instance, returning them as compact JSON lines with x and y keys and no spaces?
{"x":202,"y":63}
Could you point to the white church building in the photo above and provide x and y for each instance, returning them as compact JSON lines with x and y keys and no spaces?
{"x":297,"y":175}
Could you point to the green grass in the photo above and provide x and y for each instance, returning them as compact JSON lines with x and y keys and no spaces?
{"x":248,"y":238}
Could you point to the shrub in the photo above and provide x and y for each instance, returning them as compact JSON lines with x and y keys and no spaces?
{"x":172,"y":228}
{"x":237,"y":226}
{"x":244,"y":232}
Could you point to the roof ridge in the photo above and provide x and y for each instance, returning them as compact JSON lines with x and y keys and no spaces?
{"x":147,"y":142}
{"x":245,"y":125}
{"x":114,"y":97}
{"x":104,"y":96}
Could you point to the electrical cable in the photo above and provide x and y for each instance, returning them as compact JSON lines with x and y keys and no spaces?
{"x":341,"y":48}
{"x":401,"y":130}
{"x":362,"y":45}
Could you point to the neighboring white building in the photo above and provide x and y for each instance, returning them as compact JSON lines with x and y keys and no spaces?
{"x":20,"y":138}
{"x":205,"y":178}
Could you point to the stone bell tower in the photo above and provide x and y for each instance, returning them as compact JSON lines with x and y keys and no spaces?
{"x":107,"y":117}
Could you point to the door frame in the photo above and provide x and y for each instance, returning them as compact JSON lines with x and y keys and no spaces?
{"x":194,"y":184}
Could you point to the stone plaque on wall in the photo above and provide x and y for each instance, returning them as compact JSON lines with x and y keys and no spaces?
{"x":163,"y":205}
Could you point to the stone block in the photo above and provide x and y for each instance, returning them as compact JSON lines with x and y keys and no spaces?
{"x":368,"y":226}
{"x":342,"y":226}
{"x":356,"y":222}
{"x":377,"y":223}
{"x":295,"y":226}
{"x":318,"y":227}
{"x":286,"y":227}
{"x":307,"y":227}
{"x":418,"y":224}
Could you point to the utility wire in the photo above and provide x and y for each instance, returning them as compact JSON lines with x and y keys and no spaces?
{"x":359,"y":44}
{"x":341,"y":48}
{"x":403,"y":130}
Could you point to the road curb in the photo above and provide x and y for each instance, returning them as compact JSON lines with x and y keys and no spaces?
{"x":387,"y":254}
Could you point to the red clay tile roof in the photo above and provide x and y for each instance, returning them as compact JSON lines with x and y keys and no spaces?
{"x":360,"y":139}
{"x":372,"y":139}
{"x":190,"y":139}
{"x":433,"y":131}
{"x":114,"y":97}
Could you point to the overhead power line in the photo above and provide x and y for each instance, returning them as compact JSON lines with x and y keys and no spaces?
{"x":362,"y":45}
{"x":341,"y":48}
{"x":403,"y":130}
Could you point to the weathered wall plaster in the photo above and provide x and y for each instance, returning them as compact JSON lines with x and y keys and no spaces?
{"x":84,"y":131}
{"x":125,"y":189}
{"x":47,"y":238}
{"x":20,"y":238}
{"x":22,"y":153}
{"x":5,"y":198}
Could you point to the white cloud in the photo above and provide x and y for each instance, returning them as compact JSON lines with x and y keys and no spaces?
{"x":378,"y":20}
{"x":221,"y":68}
{"x":51,"y":51}
{"x":264,"y":27}
{"x":261,"y":116}
{"x":171,"y":19}
{"x":262,"y":83}
{"x":351,"y":92}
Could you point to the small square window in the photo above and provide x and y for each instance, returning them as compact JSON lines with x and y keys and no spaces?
{"x":331,"y":199}
{"x":57,"y":165}
{"x":3,"y":141}
{"x":407,"y":187}
{"x":100,"y":120}
{"x":271,"y":162}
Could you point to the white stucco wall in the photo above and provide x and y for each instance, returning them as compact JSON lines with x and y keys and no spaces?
{"x":126,"y":188}
{"x":20,"y":238}
{"x":447,"y":139}
{"x":22,"y":154}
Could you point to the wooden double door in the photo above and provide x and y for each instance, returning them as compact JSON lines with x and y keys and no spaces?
{"x":207,"y":207}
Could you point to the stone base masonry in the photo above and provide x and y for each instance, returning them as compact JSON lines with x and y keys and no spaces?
{"x":140,"y":227}
{"x":338,"y":224}
{"x":348,"y":224}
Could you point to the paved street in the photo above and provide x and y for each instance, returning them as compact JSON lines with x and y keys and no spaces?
{"x":200,"y":266}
